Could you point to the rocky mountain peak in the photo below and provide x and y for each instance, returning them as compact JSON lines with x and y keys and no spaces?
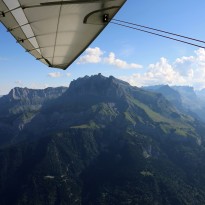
{"x":17,"y":93}
{"x":187,"y":91}
{"x":97,"y":85}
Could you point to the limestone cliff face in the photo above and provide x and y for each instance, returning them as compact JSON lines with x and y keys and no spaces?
{"x":101,"y":141}
{"x":20,"y":106}
{"x":35,"y":95}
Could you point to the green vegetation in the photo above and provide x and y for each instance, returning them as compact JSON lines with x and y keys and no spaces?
{"x":156,"y":117}
{"x":91,"y":125}
{"x":101,"y":142}
{"x":129,"y":118}
{"x":146,"y":173}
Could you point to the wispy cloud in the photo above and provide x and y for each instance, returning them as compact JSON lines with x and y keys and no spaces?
{"x":112,"y":60}
{"x":96,"y":55}
{"x":38,"y":85}
{"x":58,"y":75}
{"x":19,"y":82}
{"x":68,"y":74}
{"x":55,"y":75}
{"x":186,"y":70}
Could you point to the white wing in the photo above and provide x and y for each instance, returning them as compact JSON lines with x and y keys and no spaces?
{"x":57,"y":32}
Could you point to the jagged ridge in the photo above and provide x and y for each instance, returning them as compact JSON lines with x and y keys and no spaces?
{"x":101,"y":141}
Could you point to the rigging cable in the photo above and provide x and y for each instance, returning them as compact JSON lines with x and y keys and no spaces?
{"x":127,"y":24}
{"x":154,"y":29}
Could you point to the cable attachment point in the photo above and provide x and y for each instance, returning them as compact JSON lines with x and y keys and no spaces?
{"x":20,"y":40}
{"x":2,"y":14}
{"x":105,"y":18}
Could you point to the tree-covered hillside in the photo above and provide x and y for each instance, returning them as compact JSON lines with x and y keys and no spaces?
{"x":101,"y":141}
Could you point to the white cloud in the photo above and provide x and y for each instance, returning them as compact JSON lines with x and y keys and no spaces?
{"x":38,"y":86}
{"x":184,"y":64}
{"x":200,"y":55}
{"x":159,"y":73}
{"x":187,"y":70}
{"x":96,"y":55}
{"x":112,"y":60}
{"x":163,"y":72}
{"x":18,"y":82}
{"x":193,"y":68}
{"x":92,"y":55}
{"x":54,"y":75}
{"x":184,"y":59}
{"x":68,"y":74}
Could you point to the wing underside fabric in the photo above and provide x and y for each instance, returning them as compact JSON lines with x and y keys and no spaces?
{"x":57,"y":32}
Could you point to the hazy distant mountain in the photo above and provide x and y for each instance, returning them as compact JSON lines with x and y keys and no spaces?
{"x":183,"y":98}
{"x":188,"y":96}
{"x":201,"y":95}
{"x":169,"y":93}
{"x":101,"y":141}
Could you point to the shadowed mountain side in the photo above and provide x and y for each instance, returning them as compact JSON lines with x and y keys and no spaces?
{"x":184,"y":98}
{"x":101,"y":141}
{"x":103,"y":166}
{"x":20,"y":106}
{"x":99,"y":102}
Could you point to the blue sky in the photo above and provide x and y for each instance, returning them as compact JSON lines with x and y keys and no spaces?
{"x":139,"y":58}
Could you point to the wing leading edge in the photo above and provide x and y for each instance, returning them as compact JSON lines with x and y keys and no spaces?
{"x":57,"y":32}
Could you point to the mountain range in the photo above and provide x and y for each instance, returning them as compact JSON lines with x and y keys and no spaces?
{"x":184,"y":98}
{"x":101,"y":141}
